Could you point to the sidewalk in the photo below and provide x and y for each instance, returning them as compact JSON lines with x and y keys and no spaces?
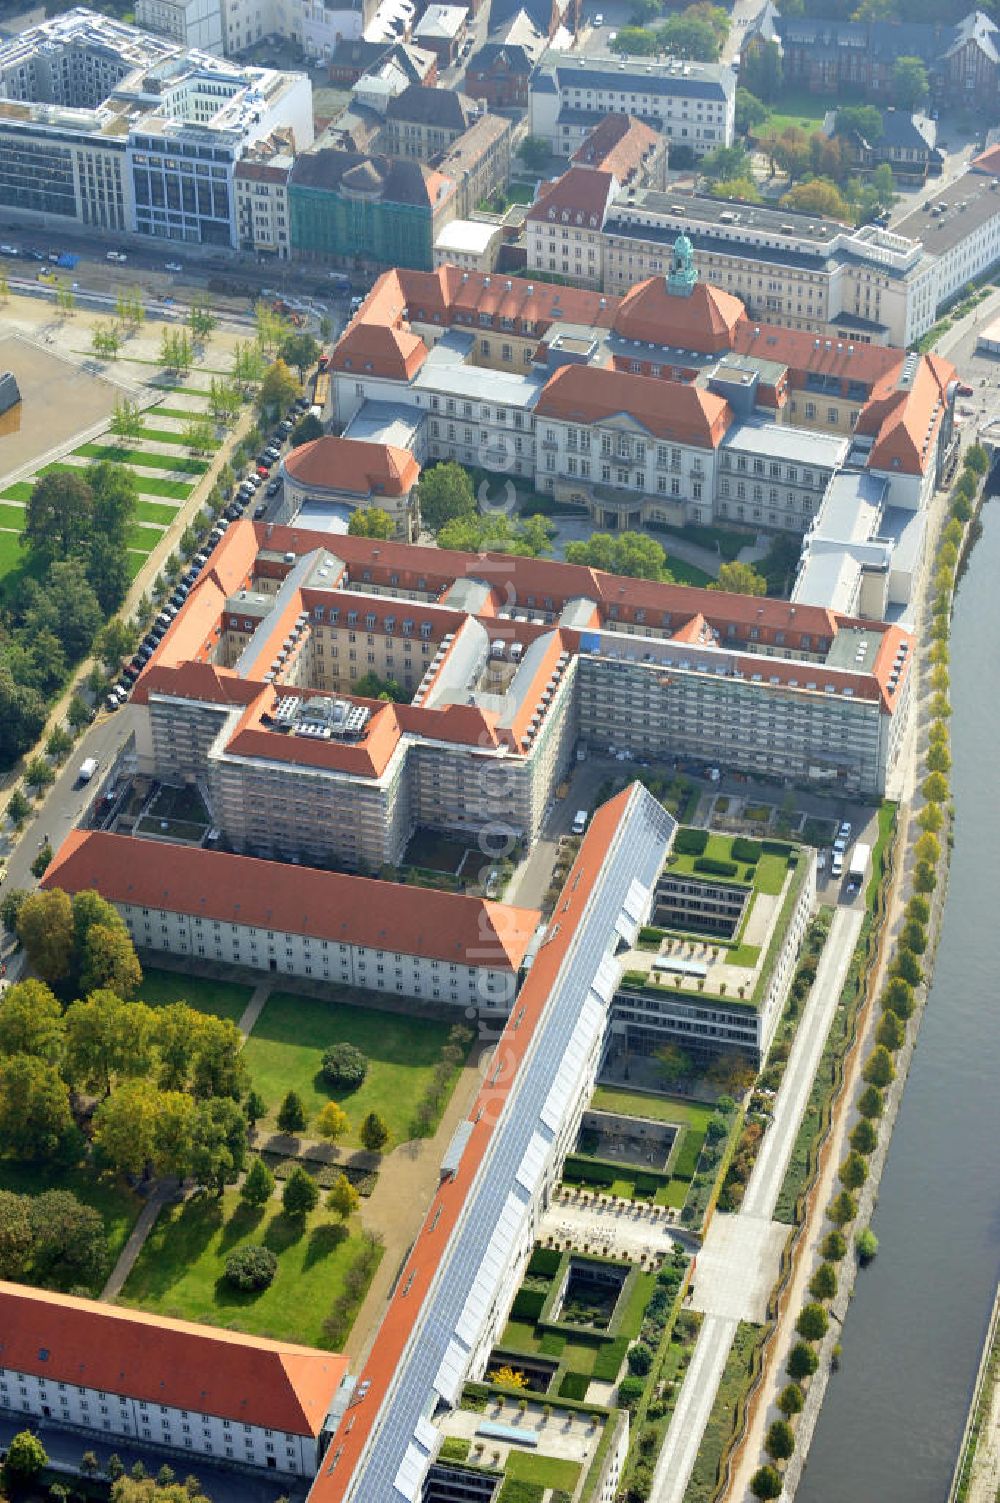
{"x":164,"y":1191}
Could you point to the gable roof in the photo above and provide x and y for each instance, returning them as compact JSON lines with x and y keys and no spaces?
{"x":354,"y":465}
{"x":506,"y":57}
{"x":589,"y":394}
{"x":443,"y":107}
{"x":399,"y":180}
{"x":211,"y":1371}
{"x":618,"y":144}
{"x":580,"y":197}
{"x":294,"y":899}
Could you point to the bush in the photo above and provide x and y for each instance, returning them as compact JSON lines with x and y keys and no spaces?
{"x":544,"y":1262}
{"x":640,"y":1359}
{"x":715,"y":868}
{"x":251,"y":1268}
{"x":527,"y":1304}
{"x":823,"y":1284}
{"x":574,"y":1386}
{"x":834,"y":1246}
{"x":746,"y":850}
{"x":791,"y":1399}
{"x":630,"y":1391}
{"x":690,"y":842}
{"x":344,"y":1067}
{"x":866,"y":1243}
{"x":802,"y":1361}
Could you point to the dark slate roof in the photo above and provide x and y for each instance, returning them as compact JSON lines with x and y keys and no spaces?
{"x":569,"y":75}
{"x":443,"y":107}
{"x":509,"y":54}
{"x":539,"y":13}
{"x":886,"y":40}
{"x":402,"y":181}
{"x":357,"y":54}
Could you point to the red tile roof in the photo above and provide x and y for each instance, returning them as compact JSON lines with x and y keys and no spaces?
{"x":704,"y":321}
{"x":244,"y":1378}
{"x":987,"y":161}
{"x":618,"y":144}
{"x":420,"y":1268}
{"x":589,"y":394}
{"x":580,"y":197}
{"x":360,"y":468}
{"x":294,"y":899}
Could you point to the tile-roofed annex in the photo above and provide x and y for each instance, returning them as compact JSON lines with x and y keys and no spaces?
{"x":579,"y":394}
{"x":353,"y":465}
{"x":581,"y":197}
{"x":245,"y":1379}
{"x":619,"y":144}
{"x":420,"y":921}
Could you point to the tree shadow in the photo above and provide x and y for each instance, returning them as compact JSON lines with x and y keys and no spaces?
{"x":185,"y":1239}
{"x":324,"y":1240}
{"x":283,"y":1232}
{"x":228,"y":1297}
{"x":242,"y":1224}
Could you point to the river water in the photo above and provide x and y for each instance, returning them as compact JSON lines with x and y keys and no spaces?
{"x":892,"y":1420}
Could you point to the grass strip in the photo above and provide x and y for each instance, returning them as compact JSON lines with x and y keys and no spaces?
{"x":726,"y":1418}
{"x":12,"y":518}
{"x":19,"y":491}
{"x":119,"y":454}
{"x":155,"y":512}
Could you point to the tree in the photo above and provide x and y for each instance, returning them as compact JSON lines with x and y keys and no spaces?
{"x":248,"y":364}
{"x":740,"y":189}
{"x":635,"y":41}
{"x":813,"y":1322}
{"x":59,"y":745}
{"x":691,"y":35}
{"x":58,"y":516}
{"x":762,"y":70}
{"x":201,"y":319}
{"x":871,"y":1103}
{"x":109,"y":960}
{"x":924,"y":877}
{"x":732,"y":1071}
{"x":344,"y":1067}
{"x":306,"y":429}
{"x":220,"y":1143}
{"x":116,"y":640}
{"x":779,"y":1442}
{"x":802,"y":1361}
{"x":31,"y":1021}
{"x":22,"y":717}
{"x":42,"y":861}
{"x":866,"y":1243}
{"x":853,"y":1171}
{"x":879,"y":1069}
{"x":332,"y":1122}
{"x":15,"y":1234}
{"x":301,"y":351}
{"x":675,"y":1065}
{"x":891,"y":1032}
{"x":126,"y":420}
{"x":750,"y":111}
{"x":69,"y":1241}
{"x":105,"y":341}
{"x":862,"y":120}
{"x":906,"y":963}
{"x":935,"y":788}
{"x":740,"y":579}
{"x":301,"y":1193}
{"x":199,"y":435}
{"x":817,"y":197}
{"x":938,"y":758}
{"x":630,"y":553}
{"x":125,"y":1126}
{"x":38,"y":774}
{"x":823,"y":1284}
{"x":107,"y":1040}
{"x":89,"y":1464}
{"x":35,"y":1119}
{"x":445,"y":493}
{"x":834,"y":1246}
{"x":864,"y":1137}
{"x":370,"y":522}
{"x":176,"y":350}
{"x":842,"y":1208}
{"x":26,"y":1457}
{"x":726,"y":162}
{"x":18,"y":809}
{"x":977,"y":459}
{"x":766,"y":1483}
{"x":343,"y":1197}
{"x":909,"y":84}
{"x":45,"y":929}
{"x":251,"y":1268}
{"x":278,"y":389}
{"x":291,"y":1114}
{"x":374,"y":1133}
{"x":224,"y":402}
{"x":258,"y":1187}
{"x":791,"y":1399}
{"x":534,"y":153}
{"x":255,"y":1107}
{"x":217,"y":1062}
{"x":272,"y":326}
{"x":65,"y":604}
{"x":174,"y":1131}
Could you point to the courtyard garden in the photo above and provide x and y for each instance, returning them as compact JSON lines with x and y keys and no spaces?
{"x":223,"y":999}
{"x":285,"y":1053}
{"x":181,"y":1270}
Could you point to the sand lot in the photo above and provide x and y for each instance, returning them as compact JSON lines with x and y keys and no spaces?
{"x":59,"y":400}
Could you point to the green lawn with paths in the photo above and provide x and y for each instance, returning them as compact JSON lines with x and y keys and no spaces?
{"x":286,"y":1048}
{"x":180,"y":1270}
{"x":116,"y":1205}
{"x":224,"y":999}
{"x":120,"y":454}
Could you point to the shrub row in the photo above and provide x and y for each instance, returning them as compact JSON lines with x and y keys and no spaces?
{"x":713,"y":867}
{"x":690,"y":841}
{"x":746,"y":850}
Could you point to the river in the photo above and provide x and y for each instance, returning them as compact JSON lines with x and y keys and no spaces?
{"x":892,"y":1420}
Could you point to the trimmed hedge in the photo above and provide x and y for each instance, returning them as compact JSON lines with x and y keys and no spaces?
{"x":574,"y":1386}
{"x":715,"y":868}
{"x":749,"y":851}
{"x":527,"y":1304}
{"x":690,"y":842}
{"x":609,"y":1359}
{"x":544,"y":1262}
{"x":578,"y":1171}
{"x":778,"y":847}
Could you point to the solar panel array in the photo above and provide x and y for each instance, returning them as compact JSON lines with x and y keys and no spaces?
{"x":472,"y":1269}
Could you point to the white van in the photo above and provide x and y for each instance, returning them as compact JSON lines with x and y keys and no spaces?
{"x":837,"y":865}
{"x":579,"y":822}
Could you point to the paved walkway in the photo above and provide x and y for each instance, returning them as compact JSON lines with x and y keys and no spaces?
{"x":133,"y":1247}
{"x":673,"y":1467}
{"x":254,"y":1008}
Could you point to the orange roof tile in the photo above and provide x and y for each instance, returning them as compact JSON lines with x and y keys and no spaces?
{"x":703,"y":321}
{"x":588,"y":394}
{"x":364,"y":469}
{"x":294,"y":899}
{"x":244,"y":1378}
{"x":580,"y":197}
{"x":618,"y":144}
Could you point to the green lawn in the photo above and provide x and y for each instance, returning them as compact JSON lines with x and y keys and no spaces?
{"x":171,"y":490}
{"x":689,"y":574}
{"x":285,"y":1050}
{"x":728,"y":544}
{"x":224,"y":999}
{"x":135,"y":562}
{"x":11,"y":518}
{"x":19,"y":491}
{"x":676,"y":1109}
{"x":545,"y":1471}
{"x":117,"y":1206}
{"x":167,"y":436}
{"x":179,"y":1271}
{"x":723,"y":1421}
{"x":143,"y":537}
{"x":15,"y":566}
{"x":120,"y":454}
{"x":183,"y":414}
{"x":747,"y":955}
{"x":800,"y":108}
{"x":155,"y":511}
{"x":768,"y":875}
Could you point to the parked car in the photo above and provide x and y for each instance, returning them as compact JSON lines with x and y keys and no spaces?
{"x":273,"y":488}
{"x":964,"y":389}
{"x":172,"y":266}
{"x":259,"y":511}
{"x":844,"y":833}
